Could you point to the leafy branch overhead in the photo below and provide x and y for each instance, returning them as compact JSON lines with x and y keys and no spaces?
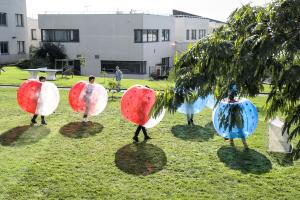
{"x":256,"y":43}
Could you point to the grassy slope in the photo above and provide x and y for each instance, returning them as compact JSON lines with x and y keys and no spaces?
{"x":42,"y":163}
{"x":16,"y":76}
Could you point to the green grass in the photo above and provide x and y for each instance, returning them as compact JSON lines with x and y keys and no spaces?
{"x":65,"y":160}
{"x":15,"y":76}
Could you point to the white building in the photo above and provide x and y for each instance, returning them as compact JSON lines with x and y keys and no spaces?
{"x":34,"y":33}
{"x":134,"y":42}
{"x":13,"y":31}
{"x":190,"y":28}
{"x":140,"y":44}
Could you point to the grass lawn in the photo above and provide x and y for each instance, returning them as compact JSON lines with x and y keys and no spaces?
{"x":15,"y":76}
{"x":65,"y":160}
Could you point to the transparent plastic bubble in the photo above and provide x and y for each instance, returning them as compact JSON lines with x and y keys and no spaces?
{"x":38,"y":98}
{"x":250,"y":117}
{"x":89,"y":99}
{"x":211,"y":101}
{"x":193,"y":108}
{"x":136,"y":105}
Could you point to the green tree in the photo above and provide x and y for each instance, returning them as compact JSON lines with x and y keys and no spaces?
{"x":49,"y":52}
{"x":255,"y":44}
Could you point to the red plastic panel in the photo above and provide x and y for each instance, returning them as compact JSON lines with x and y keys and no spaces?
{"x":28,"y":95}
{"x":76,"y":100}
{"x":137,"y":103}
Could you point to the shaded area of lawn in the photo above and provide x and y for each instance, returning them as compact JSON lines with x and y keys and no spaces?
{"x":81,"y":130}
{"x":249,"y":161}
{"x":140,"y":159}
{"x":23,"y":135}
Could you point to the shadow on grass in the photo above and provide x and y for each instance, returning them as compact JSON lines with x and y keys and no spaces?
{"x":79,"y":130}
{"x":140,"y":159}
{"x":193,"y":133}
{"x":283,"y":159}
{"x":249,"y":161}
{"x":23,"y":135}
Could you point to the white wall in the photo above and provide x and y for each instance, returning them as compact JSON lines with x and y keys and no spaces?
{"x":111,"y":37}
{"x":154,"y":52}
{"x":11,"y":32}
{"x":33,"y":24}
{"x":188,"y":23}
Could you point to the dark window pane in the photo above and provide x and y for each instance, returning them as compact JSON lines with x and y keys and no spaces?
{"x":3,"y":47}
{"x":3,"y":19}
{"x":127,"y":67}
{"x":187,"y":34}
{"x":49,"y":35}
{"x":138,"y":36}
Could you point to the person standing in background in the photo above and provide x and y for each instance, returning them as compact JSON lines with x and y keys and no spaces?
{"x":118,"y":76}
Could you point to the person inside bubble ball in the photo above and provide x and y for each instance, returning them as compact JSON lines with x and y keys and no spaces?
{"x":231,"y":97}
{"x":189,"y":115}
{"x":42,"y":79}
{"x":138,"y":130}
{"x":87,"y":97}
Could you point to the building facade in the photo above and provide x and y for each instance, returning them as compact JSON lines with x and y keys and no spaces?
{"x":34,"y":33}
{"x":13,"y":31}
{"x":140,"y":44}
{"x":137,"y":43}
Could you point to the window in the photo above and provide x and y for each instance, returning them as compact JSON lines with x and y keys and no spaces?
{"x":3,"y":48}
{"x":166,"y":62}
{"x":187,"y":34}
{"x":33,"y":34}
{"x":194,"y":34}
{"x":20,"y":20}
{"x":3,"y":21}
{"x":145,"y":35}
{"x":21,"y":47}
{"x":60,"y":35}
{"x":127,"y":67}
{"x":165,"y":35}
{"x":202,"y":33}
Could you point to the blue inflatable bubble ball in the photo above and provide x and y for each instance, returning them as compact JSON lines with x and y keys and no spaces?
{"x":250,"y":118}
{"x":193,"y":108}
{"x":211,"y":101}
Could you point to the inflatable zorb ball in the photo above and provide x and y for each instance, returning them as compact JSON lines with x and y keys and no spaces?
{"x":211,"y":101}
{"x":193,"y":108}
{"x":136,"y":105}
{"x":86,"y":98}
{"x":250,"y":117}
{"x":41,"y":98}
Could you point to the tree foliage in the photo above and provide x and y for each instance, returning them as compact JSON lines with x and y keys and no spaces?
{"x":255,"y":44}
{"x":49,"y":52}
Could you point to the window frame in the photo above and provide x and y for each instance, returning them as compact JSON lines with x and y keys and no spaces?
{"x":7,"y":47}
{"x":202,"y":33}
{"x":21,"y":20}
{"x":21,"y":47}
{"x":194,"y":34}
{"x":187,"y":34}
{"x":1,"y":18}
{"x":68,"y":31}
{"x":33,"y":38}
{"x":146,"y":35}
{"x":164,"y":35}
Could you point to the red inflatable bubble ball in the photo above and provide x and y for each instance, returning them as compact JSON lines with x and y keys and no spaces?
{"x":90,"y":99}
{"x":136,"y":104}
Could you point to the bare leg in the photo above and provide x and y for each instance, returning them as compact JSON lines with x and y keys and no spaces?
{"x":245,"y":144}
